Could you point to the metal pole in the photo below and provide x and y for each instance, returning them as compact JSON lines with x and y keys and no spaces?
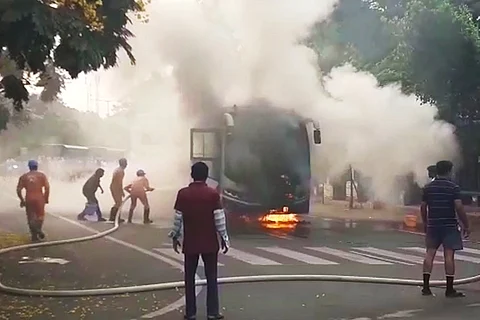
{"x":97,"y":105}
{"x":350,"y":205}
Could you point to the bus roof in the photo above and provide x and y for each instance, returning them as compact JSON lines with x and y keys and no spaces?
{"x":75,"y":147}
{"x":261,"y":107}
{"x":108,"y":149}
{"x":65,"y":146}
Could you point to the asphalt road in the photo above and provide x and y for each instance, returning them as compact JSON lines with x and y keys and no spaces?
{"x":138,"y":254}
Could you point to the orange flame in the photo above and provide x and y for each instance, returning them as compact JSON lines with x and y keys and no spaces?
{"x":279,"y":221}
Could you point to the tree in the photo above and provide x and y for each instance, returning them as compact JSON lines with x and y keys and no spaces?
{"x":472,"y":5}
{"x":442,"y":58}
{"x":43,"y":37}
{"x":356,"y":33}
{"x":430,"y":47}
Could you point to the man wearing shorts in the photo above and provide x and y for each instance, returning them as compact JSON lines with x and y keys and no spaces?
{"x":37,"y":193}
{"x":440,"y":206}
{"x":116,"y":188}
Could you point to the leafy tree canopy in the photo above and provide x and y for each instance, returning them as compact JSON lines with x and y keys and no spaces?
{"x":431,"y":47}
{"x":42,"y":37}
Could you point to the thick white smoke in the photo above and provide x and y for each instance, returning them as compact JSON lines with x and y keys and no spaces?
{"x":196,"y":55}
{"x":380,"y":131}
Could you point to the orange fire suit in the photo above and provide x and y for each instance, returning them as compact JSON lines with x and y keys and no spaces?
{"x":37,"y":194}
{"x":138,"y":191}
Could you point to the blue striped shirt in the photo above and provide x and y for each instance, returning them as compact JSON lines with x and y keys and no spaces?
{"x":440,"y":196}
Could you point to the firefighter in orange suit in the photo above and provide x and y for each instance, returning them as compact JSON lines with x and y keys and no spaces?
{"x":37,"y":193}
{"x":138,"y":191}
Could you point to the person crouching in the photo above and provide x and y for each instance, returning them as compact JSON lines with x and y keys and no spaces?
{"x":89,"y":189}
{"x":138,"y":191}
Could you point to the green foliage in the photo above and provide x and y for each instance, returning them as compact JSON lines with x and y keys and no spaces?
{"x":42,"y":36}
{"x":4,"y":115}
{"x":430,"y":47}
{"x":473,"y":6}
{"x":440,"y":55}
{"x":357,"y":33}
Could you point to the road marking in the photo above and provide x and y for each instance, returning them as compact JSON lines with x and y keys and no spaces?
{"x":471,"y":250}
{"x":412,"y":232}
{"x":280,"y":236}
{"x":297,"y":256}
{"x":394,"y":255}
{"x":250,"y":258}
{"x":28,"y":260}
{"x":172,"y":263}
{"x":474,"y":305}
{"x":172,"y":254}
{"x":401,"y":314}
{"x":348,"y":256}
{"x":458,"y":256}
{"x":167,"y":309}
{"x":382,"y":258}
{"x":158,"y":225}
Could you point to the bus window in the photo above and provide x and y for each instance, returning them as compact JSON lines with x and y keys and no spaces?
{"x":204,"y":145}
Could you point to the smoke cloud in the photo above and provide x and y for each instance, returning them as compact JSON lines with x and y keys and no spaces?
{"x":195,"y":56}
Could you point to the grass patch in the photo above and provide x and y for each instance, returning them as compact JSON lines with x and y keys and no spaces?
{"x":13,"y":239}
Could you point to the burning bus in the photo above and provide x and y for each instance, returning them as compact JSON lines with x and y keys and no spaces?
{"x":259,"y":159}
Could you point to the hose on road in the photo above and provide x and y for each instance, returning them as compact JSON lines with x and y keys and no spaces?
{"x":180,"y":284}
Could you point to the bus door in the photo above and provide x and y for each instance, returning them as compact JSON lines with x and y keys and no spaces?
{"x":206,"y":146}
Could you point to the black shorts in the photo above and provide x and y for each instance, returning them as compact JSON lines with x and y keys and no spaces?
{"x":448,"y":237}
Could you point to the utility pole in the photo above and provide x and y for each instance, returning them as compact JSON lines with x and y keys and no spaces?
{"x":350,"y":205}
{"x":87,"y":85}
{"x":97,"y":106}
{"x":109,"y":109}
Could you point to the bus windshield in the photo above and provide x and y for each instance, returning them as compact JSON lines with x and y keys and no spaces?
{"x":265,"y":149}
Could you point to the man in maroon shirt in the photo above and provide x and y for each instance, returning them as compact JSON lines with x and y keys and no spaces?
{"x":199,"y":211}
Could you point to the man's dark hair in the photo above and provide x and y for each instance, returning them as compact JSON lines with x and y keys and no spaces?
{"x":444,"y":167}
{"x":432,"y":171}
{"x":122,"y":162}
{"x":199,"y":171}
{"x":33,"y":165}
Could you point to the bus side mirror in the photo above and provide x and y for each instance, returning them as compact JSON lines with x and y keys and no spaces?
{"x":317,"y":136}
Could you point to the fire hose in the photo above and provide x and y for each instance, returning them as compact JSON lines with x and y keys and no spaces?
{"x":180,"y":284}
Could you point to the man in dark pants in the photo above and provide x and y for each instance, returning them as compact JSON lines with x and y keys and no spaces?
{"x":199,"y":211}
{"x":440,"y":206}
{"x":89,"y":189}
